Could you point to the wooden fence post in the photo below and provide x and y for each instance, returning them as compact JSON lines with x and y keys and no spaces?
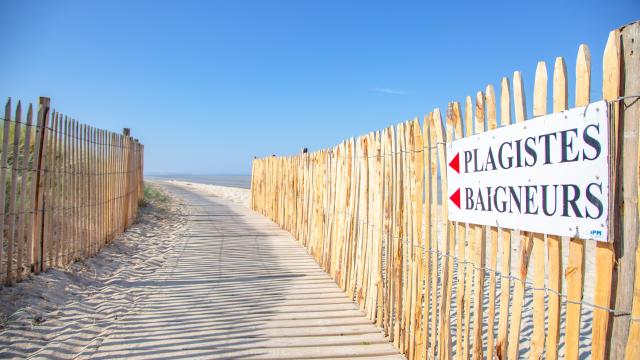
{"x":38,"y":187}
{"x":126,"y":144}
{"x":626,"y":244}
{"x":6,"y":126}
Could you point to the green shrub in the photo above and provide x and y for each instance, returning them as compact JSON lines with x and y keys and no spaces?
{"x":154,"y":196}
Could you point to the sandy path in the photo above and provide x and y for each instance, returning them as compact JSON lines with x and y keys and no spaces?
{"x":232,"y":285}
{"x":236,"y":195}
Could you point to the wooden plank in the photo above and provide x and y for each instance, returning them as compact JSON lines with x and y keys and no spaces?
{"x":23,"y":245}
{"x":95,"y":178}
{"x":341,"y":272}
{"x":574,"y":273}
{"x":605,"y":253}
{"x":100,"y":198}
{"x":72,"y":191}
{"x":398,"y":233}
{"x":375,"y":234}
{"x":64,"y":233}
{"x":355,"y":237}
{"x":82,"y":197}
{"x":398,"y":246}
{"x":470,"y":253}
{"x":627,"y":242}
{"x":624,"y":294}
{"x":388,"y":229}
{"x":51,"y":238}
{"x":379,"y":214}
{"x":111,"y":196}
{"x":403,"y":237}
{"x":339,"y":211}
{"x":538,"y":336}
{"x":46,"y":233}
{"x":526,"y":243}
{"x":35,"y":236}
{"x":62,"y":179}
{"x":420,"y":253}
{"x":11,"y":238}
{"x":492,"y":250}
{"x":505,"y":239}
{"x":102,"y":150}
{"x":480,"y":248}
{"x":117,"y":183}
{"x":426,"y":275}
{"x":59,"y":194}
{"x":116,"y":178}
{"x":442,"y":329}
{"x":460,"y":240}
{"x":418,"y":263}
{"x":3,"y":175}
{"x":409,"y":238}
{"x":390,"y":235}
{"x":372,"y":229}
{"x":48,"y":244}
{"x":89,"y":194}
{"x":77,"y":194}
{"x":127,"y":180}
{"x":406,"y":238}
{"x":401,"y":228}
{"x":62,"y":188}
{"x":54,"y":193}
{"x":363,"y":246}
{"x":435,"y":123}
{"x":366,"y":245}
{"x":452,"y":120}
{"x":554,"y":243}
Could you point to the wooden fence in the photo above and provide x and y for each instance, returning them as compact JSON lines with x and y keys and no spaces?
{"x":68,"y":189}
{"x":370,"y":211}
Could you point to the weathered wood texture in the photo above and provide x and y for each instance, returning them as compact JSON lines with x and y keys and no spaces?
{"x":67,"y":189}
{"x":358,"y":208}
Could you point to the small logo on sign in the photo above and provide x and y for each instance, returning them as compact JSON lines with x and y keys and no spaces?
{"x":597,"y":233}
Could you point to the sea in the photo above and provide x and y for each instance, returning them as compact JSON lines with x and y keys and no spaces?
{"x":239,"y":181}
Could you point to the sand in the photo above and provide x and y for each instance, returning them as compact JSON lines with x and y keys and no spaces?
{"x":63,"y":311}
{"x":236,"y":195}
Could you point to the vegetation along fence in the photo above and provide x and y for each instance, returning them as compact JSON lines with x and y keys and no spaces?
{"x":369,"y":210}
{"x":67,"y":188}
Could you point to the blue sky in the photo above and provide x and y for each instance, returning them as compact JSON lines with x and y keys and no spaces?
{"x":206,"y":85}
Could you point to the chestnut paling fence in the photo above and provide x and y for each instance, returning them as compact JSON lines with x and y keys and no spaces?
{"x":67,"y":188}
{"x":369,"y":211}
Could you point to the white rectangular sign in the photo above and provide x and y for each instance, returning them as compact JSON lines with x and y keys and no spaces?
{"x":548,"y":175}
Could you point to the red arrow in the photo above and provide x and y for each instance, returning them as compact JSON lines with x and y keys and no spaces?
{"x":456,"y":198}
{"x":455,"y":163}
